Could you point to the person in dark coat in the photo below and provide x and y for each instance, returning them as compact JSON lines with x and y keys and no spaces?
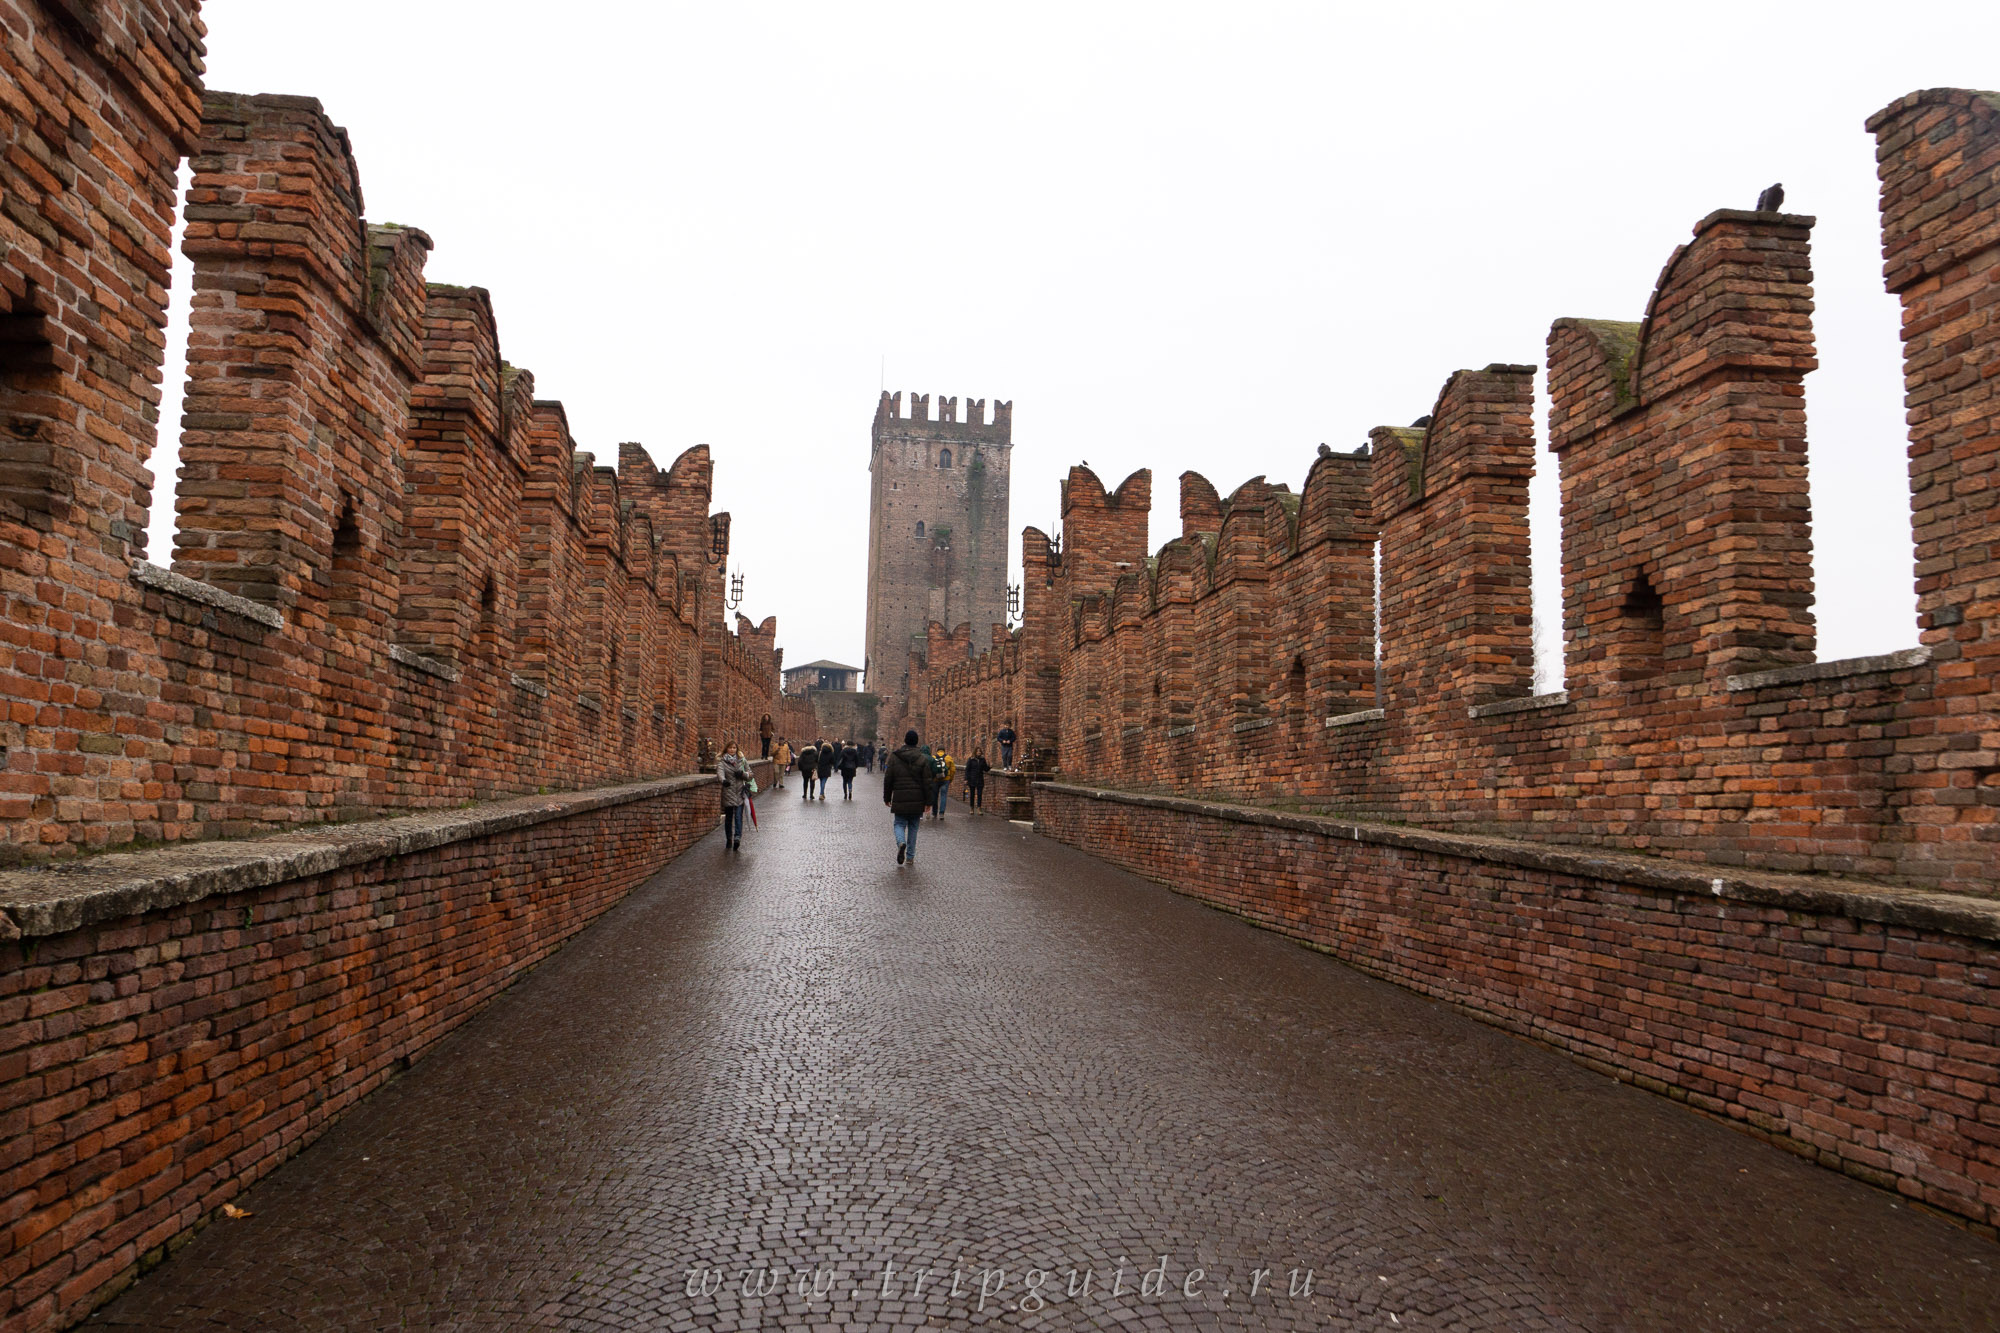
{"x":850,"y":759}
{"x":906,"y":789}
{"x":808,"y":769}
{"x":1006,"y":738}
{"x":735,"y":776}
{"x":975,"y":781}
{"x":829,"y":754}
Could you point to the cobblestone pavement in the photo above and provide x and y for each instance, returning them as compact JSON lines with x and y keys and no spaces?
{"x":795,"y":1065}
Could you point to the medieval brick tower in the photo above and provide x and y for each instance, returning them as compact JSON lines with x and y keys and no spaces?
{"x":937,"y":534}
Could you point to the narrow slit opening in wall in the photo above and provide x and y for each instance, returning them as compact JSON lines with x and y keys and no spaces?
{"x":29,"y":482}
{"x":489,"y":614}
{"x":349,"y":569}
{"x":1545,"y":548}
{"x":1857,"y":457}
{"x":1381,"y":683}
{"x":1642,"y":630}
{"x":166,"y":458}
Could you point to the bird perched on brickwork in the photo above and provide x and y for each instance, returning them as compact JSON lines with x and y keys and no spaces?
{"x":1771,"y":200}
{"x":1325,"y":452}
{"x":1420,"y":422}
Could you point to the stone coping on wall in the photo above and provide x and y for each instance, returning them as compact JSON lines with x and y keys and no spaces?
{"x":1530,"y":704}
{"x":1352,"y":719}
{"x":1846,"y":666}
{"x":1859,"y":900}
{"x":194,"y":590}
{"x":416,"y":661}
{"x":61,"y":896}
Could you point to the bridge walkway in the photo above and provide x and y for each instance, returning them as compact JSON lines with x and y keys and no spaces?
{"x":891,"y":1093}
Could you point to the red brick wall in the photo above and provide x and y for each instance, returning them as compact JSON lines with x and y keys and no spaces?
{"x":154,"y":1063}
{"x":431,"y":595}
{"x":1856,"y":1028}
{"x":1695,"y":723}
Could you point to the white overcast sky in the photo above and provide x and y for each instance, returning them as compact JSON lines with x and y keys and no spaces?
{"x":1175,"y":236}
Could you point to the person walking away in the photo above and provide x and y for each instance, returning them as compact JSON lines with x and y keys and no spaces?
{"x":829,"y":755}
{"x":906,"y":789}
{"x":1006,"y":738}
{"x":735,"y":775}
{"x":947,"y":769}
{"x":808,"y":769}
{"x":975,"y":782}
{"x":868,"y":755}
{"x":850,"y":759}
{"x":764,"y":737}
{"x":781,"y":759}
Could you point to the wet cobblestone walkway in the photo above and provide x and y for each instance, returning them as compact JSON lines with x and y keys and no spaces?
{"x":878,"y":1088}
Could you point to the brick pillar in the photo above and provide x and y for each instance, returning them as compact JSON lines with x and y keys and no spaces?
{"x":461,"y":493}
{"x":283,"y":265}
{"x":1452,"y":502}
{"x":1938,"y":157}
{"x":1336,"y":607}
{"x":1939,"y":161}
{"x":1687,"y":529}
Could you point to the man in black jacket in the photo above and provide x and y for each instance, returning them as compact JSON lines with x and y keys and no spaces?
{"x":850,"y":759}
{"x":829,"y":755}
{"x":907,"y":783}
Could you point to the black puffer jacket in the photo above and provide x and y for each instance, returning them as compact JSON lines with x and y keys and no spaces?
{"x":907,"y":781}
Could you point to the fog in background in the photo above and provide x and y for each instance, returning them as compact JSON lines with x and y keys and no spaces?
{"x":1175,"y":236}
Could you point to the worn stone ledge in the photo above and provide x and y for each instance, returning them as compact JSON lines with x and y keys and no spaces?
{"x":1252,"y":724}
{"x":532,"y":686}
{"x":1846,"y":666}
{"x":1356,"y":719}
{"x":1134,"y":730}
{"x":67,"y":895}
{"x":585,"y":701}
{"x":1859,"y":900}
{"x":1532,"y":704}
{"x":1179,"y":731}
{"x":430,"y":666}
{"x":194,"y":590}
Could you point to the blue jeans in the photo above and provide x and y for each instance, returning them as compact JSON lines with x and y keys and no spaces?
{"x":732,"y":823}
{"x":906,"y":834}
{"x":937,"y":804}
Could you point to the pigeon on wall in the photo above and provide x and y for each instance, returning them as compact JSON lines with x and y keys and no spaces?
{"x":1771,"y":200}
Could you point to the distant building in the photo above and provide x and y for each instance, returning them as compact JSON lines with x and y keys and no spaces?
{"x":821,"y":675}
{"x":937,"y":533}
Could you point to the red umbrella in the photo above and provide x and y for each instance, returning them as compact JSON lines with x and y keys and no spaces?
{"x":753,"y":809}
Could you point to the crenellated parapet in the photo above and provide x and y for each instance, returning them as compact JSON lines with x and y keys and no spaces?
{"x":397,"y":582}
{"x":1247,"y":658}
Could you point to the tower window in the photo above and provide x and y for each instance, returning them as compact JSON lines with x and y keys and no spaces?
{"x":944,"y":458}
{"x":920,"y":527}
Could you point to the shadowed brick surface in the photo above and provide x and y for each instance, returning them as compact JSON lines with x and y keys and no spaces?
{"x":1015,"y":1056}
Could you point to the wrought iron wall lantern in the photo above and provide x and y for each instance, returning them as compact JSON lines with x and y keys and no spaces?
{"x":736,"y":590}
{"x":718,"y":538}
{"x":1013,"y":601}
